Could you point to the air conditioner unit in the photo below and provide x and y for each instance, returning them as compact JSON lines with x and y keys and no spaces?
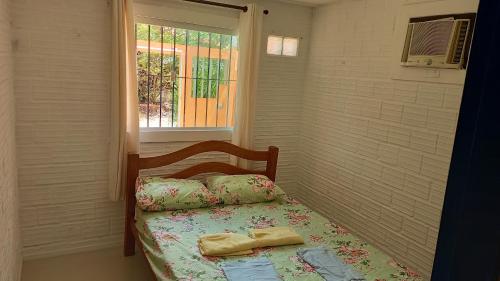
{"x":442,"y":43}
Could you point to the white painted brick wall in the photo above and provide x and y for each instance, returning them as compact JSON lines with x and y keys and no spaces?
{"x":62,"y":73}
{"x":10,"y":237}
{"x":280,"y":88}
{"x":385,"y":143}
{"x":62,"y":87}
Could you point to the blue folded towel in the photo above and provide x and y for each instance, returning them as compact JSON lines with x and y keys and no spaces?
{"x":251,"y":270}
{"x":326,"y":263}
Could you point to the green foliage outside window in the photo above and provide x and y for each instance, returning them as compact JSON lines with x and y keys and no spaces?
{"x":214,"y":40}
{"x":203,"y":85}
{"x":155,"y":76}
{"x":163,"y":91}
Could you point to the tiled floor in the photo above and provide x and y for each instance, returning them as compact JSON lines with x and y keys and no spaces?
{"x":103,"y":265}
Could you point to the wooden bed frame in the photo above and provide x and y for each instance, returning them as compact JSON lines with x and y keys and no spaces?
{"x":135,"y":164}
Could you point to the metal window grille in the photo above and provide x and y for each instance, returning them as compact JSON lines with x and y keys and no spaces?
{"x":186,"y":78}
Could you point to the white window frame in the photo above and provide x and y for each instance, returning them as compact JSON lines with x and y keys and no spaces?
{"x":221,"y":23}
{"x":149,"y":135}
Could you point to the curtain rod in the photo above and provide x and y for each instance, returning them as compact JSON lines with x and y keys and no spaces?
{"x":223,"y":5}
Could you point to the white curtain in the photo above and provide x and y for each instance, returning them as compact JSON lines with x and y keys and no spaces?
{"x":124,"y":117}
{"x":250,"y":32}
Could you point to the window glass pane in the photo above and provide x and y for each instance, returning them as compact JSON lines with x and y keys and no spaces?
{"x":142,"y":35}
{"x":180,"y":50}
{"x":235,"y":42}
{"x":184,"y":77}
{"x":194,"y":50}
{"x":203,"y":85}
{"x":230,"y":104}
{"x":215,"y":54}
{"x":175,"y":103}
{"x":225,"y":55}
{"x":290,"y":47}
{"x":234,"y":58}
{"x":204,"y":40}
{"x":169,"y":71}
{"x":188,"y":105}
{"x":198,"y":93}
{"x":142,"y":32}
{"x":274,"y":45}
{"x":155,"y":89}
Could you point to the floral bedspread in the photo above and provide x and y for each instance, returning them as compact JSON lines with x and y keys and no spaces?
{"x":170,"y":242}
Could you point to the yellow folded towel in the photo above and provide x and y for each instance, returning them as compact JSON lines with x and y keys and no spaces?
{"x":275,"y":236}
{"x":234,"y":244}
{"x":225,"y":244}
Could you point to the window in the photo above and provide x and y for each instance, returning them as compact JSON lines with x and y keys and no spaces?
{"x":186,"y":78}
{"x":282,"y":46}
{"x":290,"y":47}
{"x":274,"y":45}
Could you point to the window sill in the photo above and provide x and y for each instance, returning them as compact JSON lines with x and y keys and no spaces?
{"x":182,"y":134}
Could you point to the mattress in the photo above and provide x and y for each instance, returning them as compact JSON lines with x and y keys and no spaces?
{"x":170,"y":242}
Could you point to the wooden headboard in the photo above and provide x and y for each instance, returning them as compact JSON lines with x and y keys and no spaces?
{"x":135,"y":164}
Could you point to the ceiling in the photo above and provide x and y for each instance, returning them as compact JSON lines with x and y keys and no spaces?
{"x":308,"y":2}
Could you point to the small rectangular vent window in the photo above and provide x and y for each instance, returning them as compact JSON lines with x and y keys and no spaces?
{"x":290,"y":46}
{"x":274,"y":45}
{"x":282,"y":46}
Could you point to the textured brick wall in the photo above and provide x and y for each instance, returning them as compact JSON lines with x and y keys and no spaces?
{"x":10,"y":239}
{"x":375,"y":152}
{"x":280,"y":89}
{"x":62,"y":74}
{"x":62,"y":86}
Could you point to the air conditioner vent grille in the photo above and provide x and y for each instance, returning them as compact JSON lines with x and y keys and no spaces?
{"x":431,"y":38}
{"x":440,"y":41}
{"x":462,"y":37}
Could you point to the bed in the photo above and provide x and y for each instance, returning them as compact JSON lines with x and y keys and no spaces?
{"x":168,"y":239}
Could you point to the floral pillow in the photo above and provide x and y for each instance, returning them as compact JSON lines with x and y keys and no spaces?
{"x":242,"y":189}
{"x":160,"y":194}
